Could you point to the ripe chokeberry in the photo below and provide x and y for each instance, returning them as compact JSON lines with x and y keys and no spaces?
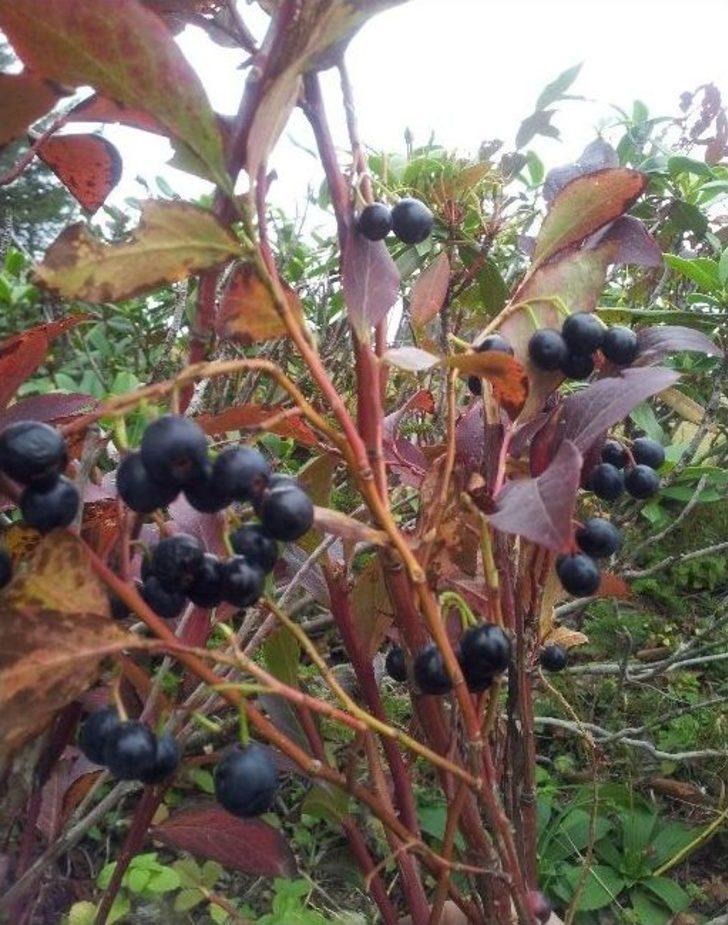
{"x":242,"y":582}
{"x":167,"y":604}
{"x":32,"y":453}
{"x":396,"y":664}
{"x":95,"y":731}
{"x":578,"y":573}
{"x":253,"y":542}
{"x":642,"y":482}
{"x":138,"y":490}
{"x":174,"y":450}
{"x":6,"y":567}
{"x":430,"y":672}
{"x":606,"y":481}
{"x":374,"y":222}
{"x":619,"y":345}
{"x":205,"y":494}
{"x":583,"y":333}
{"x":485,"y":647}
{"x":51,"y":507}
{"x":553,"y":658}
{"x":176,"y":560}
{"x":130,"y":750}
{"x":411,"y":221}
{"x":166,"y":760}
{"x":547,"y":349}
{"x":491,"y":342}
{"x":598,"y":538}
{"x":246,"y":780}
{"x":614,"y":454}
{"x":286,"y":512}
{"x":206,"y":590}
{"x":577,"y":366}
{"x":647,"y":452}
{"x":241,"y":472}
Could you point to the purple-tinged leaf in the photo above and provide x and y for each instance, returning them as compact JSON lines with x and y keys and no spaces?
{"x":430,"y":289}
{"x":542,"y":509}
{"x":470,"y":437}
{"x":411,"y":359}
{"x":371,"y":282}
{"x":596,"y":156}
{"x":420,"y":401}
{"x":657,"y":342}
{"x":629,"y":242}
{"x":50,"y":407}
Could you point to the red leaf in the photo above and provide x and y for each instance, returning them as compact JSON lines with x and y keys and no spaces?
{"x":504,"y":372}
{"x":89,"y":166}
{"x":248,"y":845}
{"x":24,"y":98}
{"x":596,"y":156}
{"x":247,"y":312}
{"x":250,"y":417}
{"x":655,"y":343}
{"x":99,"y":108}
{"x":371,"y":282}
{"x":430,"y":289}
{"x":49,"y":408}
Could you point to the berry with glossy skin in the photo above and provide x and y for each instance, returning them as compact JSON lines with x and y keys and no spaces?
{"x":547,"y":349}
{"x":598,"y":538}
{"x":94,"y":733}
{"x":642,"y":482}
{"x":553,"y":658}
{"x":286,"y":513}
{"x":430,"y":672}
{"x":130,"y":750}
{"x":50,"y":508}
{"x":648,"y":452}
{"x":246,"y":780}
{"x":578,"y":574}
{"x":540,"y":906}
{"x":167,"y":604}
{"x":619,"y":345}
{"x":6,"y":567}
{"x":491,"y":342}
{"x":583,"y":333}
{"x":606,"y":481}
{"x":374,"y":222}
{"x":176,"y":560}
{"x":577,"y":366}
{"x":174,"y":450}
{"x":241,"y":472}
{"x":411,"y":221}
{"x":138,"y":490}
{"x":166,"y":760}
{"x":477,"y":677}
{"x":253,"y":542}
{"x":614,"y":454}
{"x":206,"y":590}
{"x":485,"y":647}
{"x":242,"y":582}
{"x":32,"y":453}
{"x":206,"y":494}
{"x":396,"y":664}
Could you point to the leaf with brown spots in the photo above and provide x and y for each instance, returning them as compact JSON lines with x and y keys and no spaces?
{"x":504,"y":372}
{"x":89,"y":166}
{"x":247,"y":312}
{"x":24,"y":98}
{"x":173,"y":241}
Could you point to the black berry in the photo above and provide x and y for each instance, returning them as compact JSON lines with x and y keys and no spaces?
{"x":553,"y":658}
{"x":49,"y":508}
{"x":167,"y":604}
{"x":174,"y":450}
{"x":242,"y":582}
{"x":490,"y":342}
{"x":130,"y":751}
{"x":411,"y":221}
{"x":246,"y":780}
{"x":6,"y":567}
{"x":241,"y":472}
{"x":396,"y":664}
{"x":606,"y":481}
{"x":598,"y":538}
{"x":94,"y":732}
{"x":578,"y":574}
{"x":253,"y":542}
{"x":166,"y":760}
{"x":430,"y":672}
{"x":642,"y":482}
{"x":619,"y":345}
{"x":374,"y":221}
{"x":32,"y":453}
{"x":547,"y":349}
{"x":205,"y":493}
{"x":119,"y":610}
{"x":477,"y":677}
{"x":648,"y":452}
{"x":485,"y":648}
{"x":583,"y":333}
{"x":138,"y":490}
{"x":286,"y":513}
{"x":614,"y":454}
{"x":206,"y":590}
{"x":577,"y":366}
{"x":176,"y":560}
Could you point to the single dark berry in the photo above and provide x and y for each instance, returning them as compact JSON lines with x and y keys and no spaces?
{"x":648,"y":452}
{"x":176,"y":561}
{"x":167,"y":604}
{"x":166,"y":760}
{"x":475,"y":384}
{"x":206,"y":590}
{"x":477,"y":677}
{"x":577,"y":366}
{"x":174,"y":450}
{"x":32,"y":453}
{"x":430,"y":672}
{"x":547,"y":349}
{"x":598,"y":538}
{"x":52,"y":507}
{"x":241,"y":472}
{"x":246,"y":780}
{"x":286,"y":513}
{"x":411,"y":221}
{"x":374,"y":221}
{"x":242,"y":582}
{"x":138,"y":490}
{"x":540,"y":906}
{"x":578,"y":574}
{"x":583,"y":333}
{"x":130,"y":750}
{"x":490,"y":342}
{"x":485,"y":648}
{"x":606,"y":481}
{"x":642,"y":482}
{"x":253,"y":542}
{"x":619,"y":345}
{"x":553,"y":658}
{"x":94,"y":733}
{"x":206,"y":494}
{"x":614,"y":454}
{"x":6,"y":567}
{"x":396,"y":664}
{"x":119,"y":610}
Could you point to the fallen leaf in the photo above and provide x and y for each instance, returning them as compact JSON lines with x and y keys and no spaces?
{"x":24,"y":98}
{"x":247,"y":312}
{"x":89,"y":166}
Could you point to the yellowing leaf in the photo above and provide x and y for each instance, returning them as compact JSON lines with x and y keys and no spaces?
{"x":504,"y":372}
{"x":687,"y":408}
{"x":565,"y":637}
{"x":173,"y":241}
{"x":247,"y":312}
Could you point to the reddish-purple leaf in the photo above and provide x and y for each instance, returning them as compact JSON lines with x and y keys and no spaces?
{"x":596,"y":156}
{"x":371,"y":282}
{"x":48,"y":408}
{"x":657,"y":342}
{"x":542,"y":509}
{"x":24,"y":98}
{"x":430,"y":289}
{"x":89,"y":166}
{"x":420,"y":401}
{"x":208,"y":528}
{"x":629,"y":242}
{"x":248,"y":845}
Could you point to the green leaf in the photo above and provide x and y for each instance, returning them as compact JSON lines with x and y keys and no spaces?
{"x":104,"y":878}
{"x":701,"y":270}
{"x":687,"y":217}
{"x":648,"y":912}
{"x":723,"y":267}
{"x":164,"y":881}
{"x":679,"y":164}
{"x":637,"y":828}
{"x":602,"y":886}
{"x":187,"y":899}
{"x":323,"y":801}
{"x":556,"y":89}
{"x":644,"y":417}
{"x":218,"y":915}
{"x":203,"y":779}
{"x":670,"y":892}
{"x":670,"y":839}
{"x":83,"y":913}
{"x":119,"y":909}
{"x":136,"y":880}
{"x":282,"y":654}
{"x":211,"y":873}
{"x":189,"y":872}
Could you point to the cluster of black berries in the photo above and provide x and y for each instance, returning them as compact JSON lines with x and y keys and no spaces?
{"x":490,"y":342}
{"x":578,"y":572}
{"x":410,"y":220}
{"x":35,"y":455}
{"x":572,"y":350}
{"x":633,"y":470}
{"x":129,"y":749}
